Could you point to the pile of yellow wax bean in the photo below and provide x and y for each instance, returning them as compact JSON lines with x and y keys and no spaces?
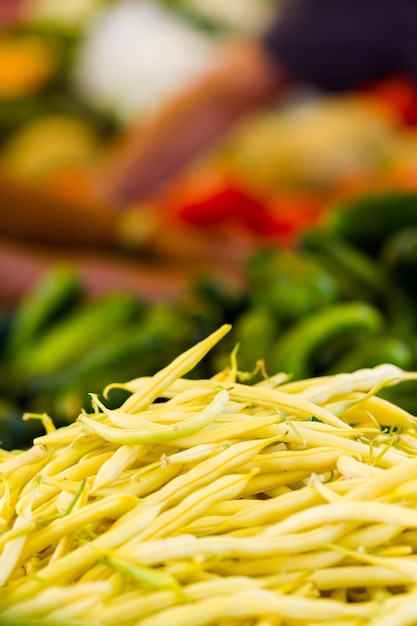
{"x":217,"y":502}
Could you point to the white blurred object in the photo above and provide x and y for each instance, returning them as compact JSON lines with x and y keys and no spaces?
{"x":136,"y":54}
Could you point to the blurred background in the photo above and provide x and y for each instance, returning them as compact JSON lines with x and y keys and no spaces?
{"x":226,"y":240}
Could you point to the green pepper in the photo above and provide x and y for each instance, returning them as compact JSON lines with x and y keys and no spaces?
{"x":369,"y":220}
{"x":375,"y":351}
{"x":358,"y":275}
{"x":399,"y":254}
{"x":255,"y":330}
{"x":295,"y":352}
{"x":404,"y":395}
{"x":53,"y":295}
{"x":87,"y":327}
{"x":291,"y":284}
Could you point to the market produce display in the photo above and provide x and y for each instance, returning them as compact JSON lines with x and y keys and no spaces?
{"x":212,"y":501}
{"x":236,"y":457}
{"x":331,"y":304}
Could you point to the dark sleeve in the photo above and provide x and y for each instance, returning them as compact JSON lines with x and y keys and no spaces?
{"x":333,"y":44}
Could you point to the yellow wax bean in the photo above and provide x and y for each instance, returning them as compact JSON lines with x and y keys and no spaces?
{"x":180,"y":366}
{"x":406,"y":566}
{"x":17,"y":481}
{"x":267,"y":398}
{"x":5,"y":500}
{"x":316,"y":459}
{"x":188,"y":398}
{"x":192,"y":455}
{"x":292,"y":405}
{"x":67,"y":459}
{"x":122,"y":458}
{"x":144,"y":484}
{"x":136,"y":607}
{"x":45,"y":492}
{"x":371,"y":536}
{"x":313,"y":438}
{"x":6,"y":455}
{"x":254,"y":603}
{"x":54,"y":597}
{"x":64,"y":436}
{"x":358,"y":510}
{"x":263,"y":511}
{"x":351,"y":468}
{"x":132,"y":608}
{"x":150,"y":577}
{"x":301,"y":488}
{"x":298,"y":563}
{"x":229,"y":459}
{"x":83,"y":557}
{"x":227,"y":546}
{"x":349,"y":575}
{"x":207,"y":525}
{"x":385,"y":482}
{"x":386,"y":413}
{"x":352,"y":433}
{"x":263,"y":483}
{"x":343,"y":383}
{"x":408,"y":489}
{"x":231,"y":507}
{"x":399,"y":613}
{"x":192,"y":506}
{"x":24,"y":527}
{"x":408,"y":440}
{"x":25,"y":459}
{"x":255,"y":427}
{"x":13,"y":548}
{"x":112,"y":507}
{"x":123,"y":418}
{"x":167,"y":433}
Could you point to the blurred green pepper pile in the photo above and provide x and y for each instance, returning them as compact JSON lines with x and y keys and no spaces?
{"x":345,"y":298}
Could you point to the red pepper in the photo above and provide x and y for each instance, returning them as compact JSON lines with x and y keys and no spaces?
{"x":293,"y":211}
{"x":210,"y":198}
